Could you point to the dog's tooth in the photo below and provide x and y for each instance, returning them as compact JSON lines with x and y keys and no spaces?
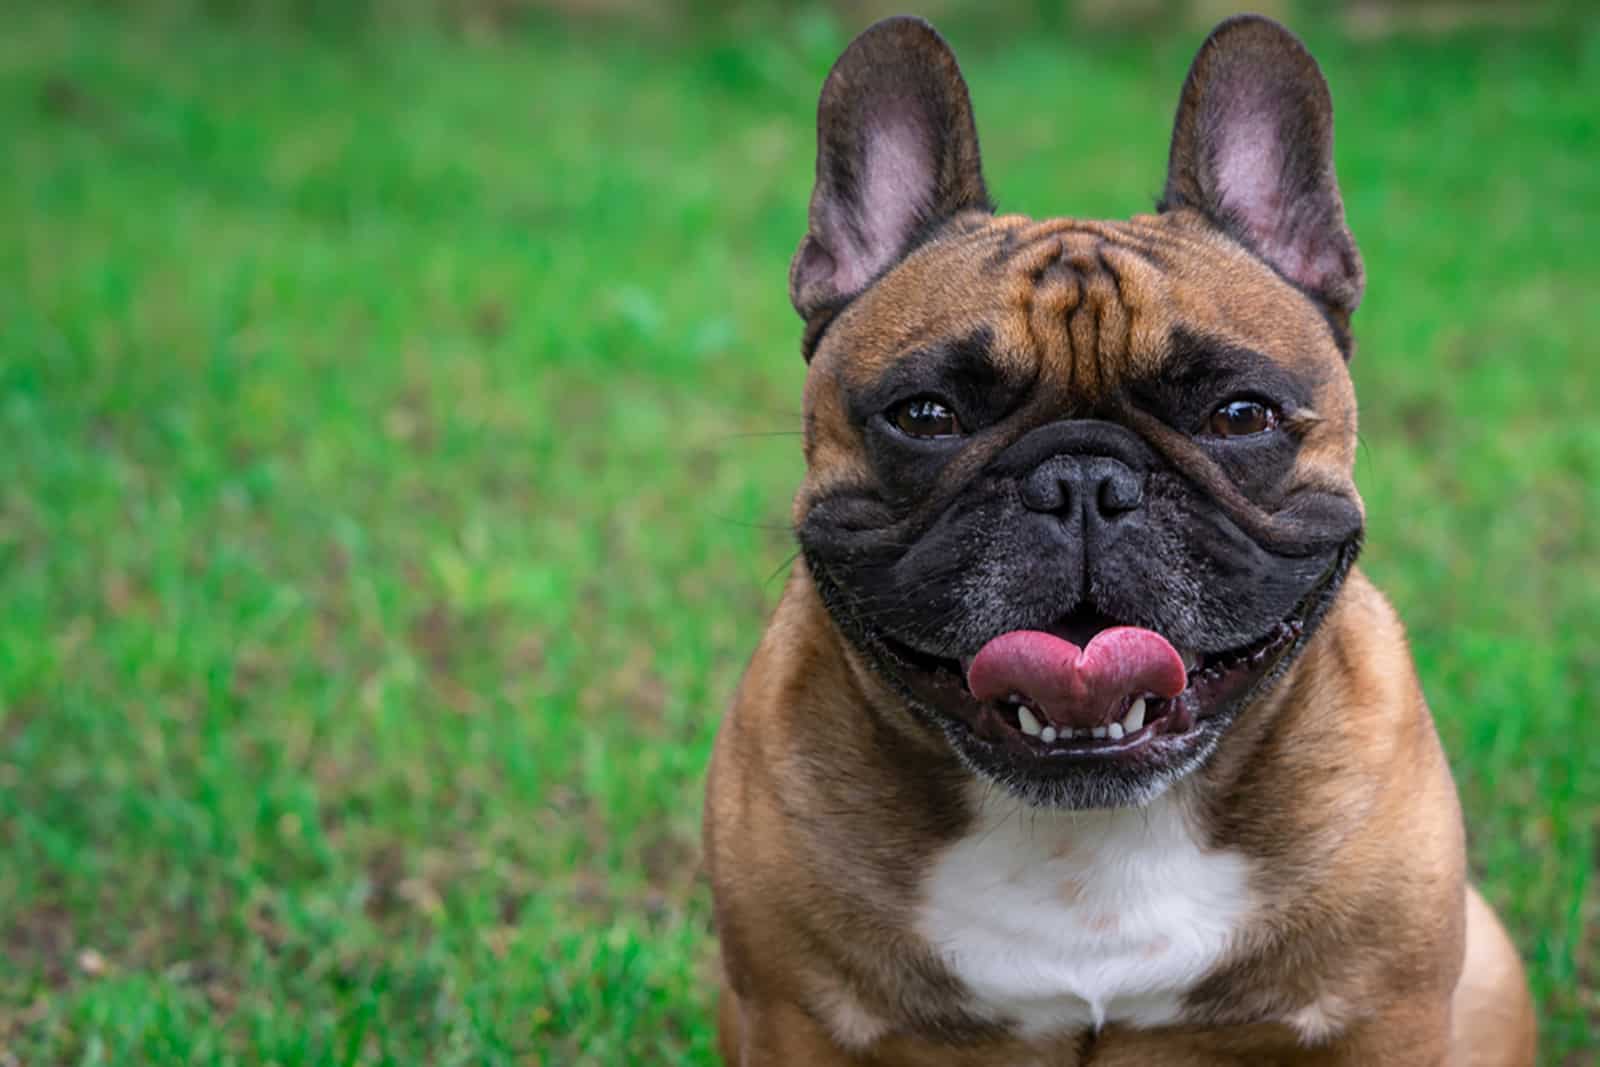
{"x":1048,"y":734}
{"x":1134,"y":720}
{"x":1191,"y":660}
{"x":1098,"y":731}
{"x":1030,"y":725}
{"x":1114,"y":731}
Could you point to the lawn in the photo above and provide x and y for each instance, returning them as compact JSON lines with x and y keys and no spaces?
{"x":397,"y":431}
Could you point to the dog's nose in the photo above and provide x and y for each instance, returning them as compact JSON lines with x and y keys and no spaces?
{"x":1093,"y":487}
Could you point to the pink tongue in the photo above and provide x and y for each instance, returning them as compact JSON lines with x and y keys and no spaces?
{"x":1076,"y":688}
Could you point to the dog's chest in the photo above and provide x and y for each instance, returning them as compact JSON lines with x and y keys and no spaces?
{"x":1063,"y":920}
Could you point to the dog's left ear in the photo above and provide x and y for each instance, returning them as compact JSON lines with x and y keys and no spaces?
{"x":897,"y":153}
{"x":1253,"y":150}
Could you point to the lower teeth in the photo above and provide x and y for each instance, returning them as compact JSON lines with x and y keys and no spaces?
{"x":1033,"y":724}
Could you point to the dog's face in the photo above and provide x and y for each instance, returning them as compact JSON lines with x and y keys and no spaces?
{"x":1080,"y":490}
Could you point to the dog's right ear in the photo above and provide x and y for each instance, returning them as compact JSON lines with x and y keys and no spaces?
{"x":897,"y":153}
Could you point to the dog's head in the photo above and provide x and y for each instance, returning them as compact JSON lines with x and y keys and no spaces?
{"x":1079,"y":489}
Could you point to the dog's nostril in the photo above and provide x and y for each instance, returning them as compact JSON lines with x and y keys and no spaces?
{"x":1046,"y":494}
{"x":1120,"y":491}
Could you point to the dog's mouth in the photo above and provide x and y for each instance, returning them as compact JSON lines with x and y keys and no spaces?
{"x":1089,"y":687}
{"x":1088,"y":710}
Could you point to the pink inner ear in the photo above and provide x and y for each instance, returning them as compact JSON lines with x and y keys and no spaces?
{"x":1250,"y":184}
{"x":1250,"y":170}
{"x":894,"y":195}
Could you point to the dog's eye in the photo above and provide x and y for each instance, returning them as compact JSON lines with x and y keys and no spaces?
{"x":924,"y":416}
{"x":1241,"y":418}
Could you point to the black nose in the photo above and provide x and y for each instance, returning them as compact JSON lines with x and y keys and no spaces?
{"x":1084,"y":488}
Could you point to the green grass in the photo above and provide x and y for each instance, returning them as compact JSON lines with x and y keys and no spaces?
{"x":397,"y":435}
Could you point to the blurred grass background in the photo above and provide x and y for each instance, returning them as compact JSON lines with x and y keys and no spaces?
{"x":398,"y":411}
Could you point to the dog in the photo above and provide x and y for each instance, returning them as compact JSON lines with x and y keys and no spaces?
{"x":1077,"y":737}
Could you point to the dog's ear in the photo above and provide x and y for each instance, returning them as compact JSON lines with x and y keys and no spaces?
{"x":1253,"y":150}
{"x":897,"y":153}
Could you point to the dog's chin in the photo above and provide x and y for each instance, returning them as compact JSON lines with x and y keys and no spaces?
{"x":1143,"y":744}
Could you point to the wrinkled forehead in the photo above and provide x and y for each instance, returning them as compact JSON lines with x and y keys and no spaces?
{"x":1087,"y":303}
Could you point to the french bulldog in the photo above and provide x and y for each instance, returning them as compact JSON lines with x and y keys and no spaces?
{"x":1077,"y":737}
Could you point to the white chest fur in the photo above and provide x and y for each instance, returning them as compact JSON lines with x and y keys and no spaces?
{"x":1059,"y":920}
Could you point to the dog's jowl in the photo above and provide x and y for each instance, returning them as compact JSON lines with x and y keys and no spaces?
{"x":1077,"y":737}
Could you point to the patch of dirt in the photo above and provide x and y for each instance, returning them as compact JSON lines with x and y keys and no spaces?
{"x":386,"y":870}
{"x":444,"y":640}
{"x":409,"y":420}
{"x":489,"y":320}
{"x":64,"y":100}
{"x":634,"y":685}
{"x":40,"y":940}
{"x":1418,"y":421}
{"x":670,"y":863}
{"x":215,"y":981}
{"x":433,"y":638}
